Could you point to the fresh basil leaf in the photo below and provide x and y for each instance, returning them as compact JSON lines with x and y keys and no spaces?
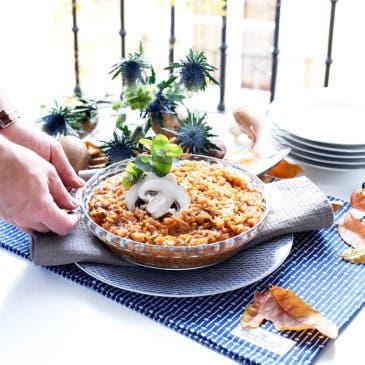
{"x":146,"y":142}
{"x":143,"y":162}
{"x":133,"y":170}
{"x":127,"y":180}
{"x":160,"y":151}
{"x":160,"y":140}
{"x":173,"y":150}
{"x":162,"y":166}
{"x":145,"y":158}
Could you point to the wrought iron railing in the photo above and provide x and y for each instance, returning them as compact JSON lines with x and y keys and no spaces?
{"x":223,"y":47}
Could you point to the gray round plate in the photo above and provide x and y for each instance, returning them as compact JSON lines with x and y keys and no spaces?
{"x":243,"y":269}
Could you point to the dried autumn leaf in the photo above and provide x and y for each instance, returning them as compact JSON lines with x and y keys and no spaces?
{"x":356,"y":256}
{"x":286,"y":311}
{"x":351,"y":228}
{"x":336,"y":205}
{"x":357,"y":201}
{"x":285,"y":170}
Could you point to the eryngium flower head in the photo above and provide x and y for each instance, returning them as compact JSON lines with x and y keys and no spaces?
{"x":59,"y":122}
{"x":131,"y":68}
{"x":131,"y":72}
{"x":194,"y":134}
{"x":194,"y":71}
{"x":119,"y":148}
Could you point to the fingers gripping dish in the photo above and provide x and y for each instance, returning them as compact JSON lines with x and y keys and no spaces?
{"x":226,"y":208}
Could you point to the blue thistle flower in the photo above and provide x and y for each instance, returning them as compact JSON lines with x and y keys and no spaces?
{"x":192,"y":76}
{"x":159,"y":104}
{"x":194,"y":134}
{"x":60,"y":121}
{"x":194,"y":71}
{"x":122,"y":146}
{"x":131,"y":68}
{"x":131,"y":71}
{"x":166,"y":100}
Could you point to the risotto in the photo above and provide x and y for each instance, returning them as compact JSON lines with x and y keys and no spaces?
{"x":222,"y":205}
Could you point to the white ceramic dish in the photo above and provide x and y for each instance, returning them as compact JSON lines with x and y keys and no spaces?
{"x":336,"y":149}
{"x":321,"y":116}
{"x":326,"y":165}
{"x":338,"y":159}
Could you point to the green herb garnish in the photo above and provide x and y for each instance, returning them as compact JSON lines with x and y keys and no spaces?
{"x":159,"y":161}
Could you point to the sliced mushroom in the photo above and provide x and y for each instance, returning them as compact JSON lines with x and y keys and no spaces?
{"x":160,"y":196}
{"x":132,"y":197}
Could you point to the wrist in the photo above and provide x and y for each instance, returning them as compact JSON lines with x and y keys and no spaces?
{"x":5,"y":147}
{"x":11,"y":130}
{"x":9,"y":120}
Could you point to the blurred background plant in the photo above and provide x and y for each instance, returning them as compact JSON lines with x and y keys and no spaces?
{"x":77,"y":116}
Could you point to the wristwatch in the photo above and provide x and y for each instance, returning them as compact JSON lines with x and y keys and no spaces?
{"x":6,"y":118}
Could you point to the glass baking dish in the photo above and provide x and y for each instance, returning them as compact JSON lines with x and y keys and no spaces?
{"x":173,"y":257}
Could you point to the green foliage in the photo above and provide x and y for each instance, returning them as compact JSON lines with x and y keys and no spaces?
{"x":159,"y":161}
{"x":139,"y":97}
{"x":86,"y":109}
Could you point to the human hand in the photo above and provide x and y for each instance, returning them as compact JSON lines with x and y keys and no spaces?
{"x":32,"y":195}
{"x":48,"y":148}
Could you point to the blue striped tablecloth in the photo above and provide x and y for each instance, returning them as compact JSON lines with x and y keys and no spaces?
{"x":314,"y":270}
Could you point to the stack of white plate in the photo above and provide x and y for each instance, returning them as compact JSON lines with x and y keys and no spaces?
{"x":322,"y":127}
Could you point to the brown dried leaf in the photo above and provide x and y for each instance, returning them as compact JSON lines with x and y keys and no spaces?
{"x":98,"y":160}
{"x":351,"y":228}
{"x":357,"y":200}
{"x":285,"y":170}
{"x":336,"y":205}
{"x":356,"y":256}
{"x":286,"y":311}
{"x":93,"y":151}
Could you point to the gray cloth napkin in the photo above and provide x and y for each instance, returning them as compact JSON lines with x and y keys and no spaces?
{"x":297,"y":205}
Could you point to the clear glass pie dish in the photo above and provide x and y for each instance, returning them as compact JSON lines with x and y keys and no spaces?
{"x":174,"y":257}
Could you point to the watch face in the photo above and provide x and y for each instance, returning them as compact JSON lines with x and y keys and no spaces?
{"x":6,"y":118}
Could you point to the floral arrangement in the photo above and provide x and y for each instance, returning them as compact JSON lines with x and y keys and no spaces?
{"x":160,"y":105}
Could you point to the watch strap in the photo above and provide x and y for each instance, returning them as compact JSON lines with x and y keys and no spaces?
{"x":6,"y":117}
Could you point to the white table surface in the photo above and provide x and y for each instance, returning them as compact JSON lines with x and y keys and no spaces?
{"x":46,"y":319}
